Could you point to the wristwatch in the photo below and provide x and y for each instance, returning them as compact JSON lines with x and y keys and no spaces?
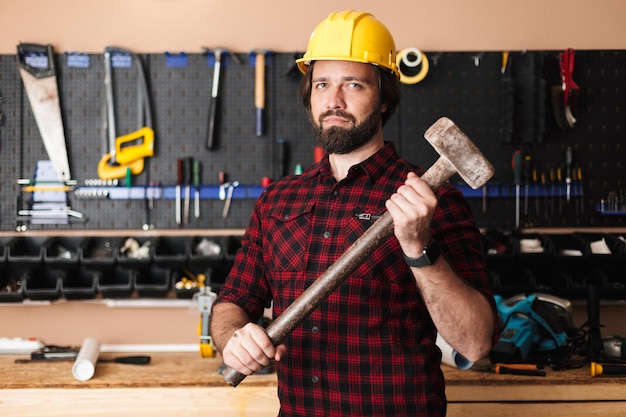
{"x":429,"y":255}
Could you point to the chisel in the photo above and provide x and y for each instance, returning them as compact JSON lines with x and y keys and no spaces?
{"x":179,"y":184}
{"x":516,"y":164}
{"x":214,"y":98}
{"x":197,"y":168}
{"x":568,"y":173}
{"x":259,"y":90}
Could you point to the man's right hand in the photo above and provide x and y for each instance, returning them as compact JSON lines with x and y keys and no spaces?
{"x":250,"y":349}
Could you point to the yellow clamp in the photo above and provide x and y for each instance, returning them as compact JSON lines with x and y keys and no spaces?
{"x":411,"y":58}
{"x":128,"y":154}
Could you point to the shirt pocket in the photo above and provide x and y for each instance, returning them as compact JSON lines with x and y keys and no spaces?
{"x":287,"y":237}
{"x":375,"y":266}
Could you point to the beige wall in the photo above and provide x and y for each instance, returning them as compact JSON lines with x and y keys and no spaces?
{"x":285,"y":25}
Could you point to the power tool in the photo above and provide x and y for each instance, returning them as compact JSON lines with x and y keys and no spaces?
{"x":531,"y":323}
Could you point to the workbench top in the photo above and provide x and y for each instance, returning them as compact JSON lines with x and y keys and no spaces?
{"x":186,"y":384}
{"x":188,"y":369}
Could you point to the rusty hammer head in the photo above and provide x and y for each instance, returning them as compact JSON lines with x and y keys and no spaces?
{"x":457,"y":155}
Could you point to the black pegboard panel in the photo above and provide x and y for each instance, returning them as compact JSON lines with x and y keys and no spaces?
{"x":468,"y":87}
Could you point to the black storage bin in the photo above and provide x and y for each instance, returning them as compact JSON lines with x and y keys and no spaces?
{"x":172,"y":251}
{"x":11,"y":285}
{"x":554,"y":280}
{"x":116,"y":282}
{"x":80,"y":283}
{"x":153,"y":282}
{"x":62,"y":250}
{"x":607,"y":270}
{"x":499,"y":250}
{"x":510,"y":280}
{"x":179,"y":276}
{"x":42,"y":284}
{"x":26,"y":251}
{"x":232,"y":245}
{"x":206,"y":251}
{"x":99,"y":251}
{"x":4,"y":248}
{"x":129,"y":258}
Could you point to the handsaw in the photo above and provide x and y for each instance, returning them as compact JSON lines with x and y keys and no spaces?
{"x":36,"y":66}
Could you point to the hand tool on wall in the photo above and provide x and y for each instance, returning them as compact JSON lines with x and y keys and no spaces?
{"x":210,"y":142}
{"x":187,"y":181}
{"x":37,"y":69}
{"x":578,"y":176}
{"x":178,"y":196}
{"x":568,"y":173}
{"x":197,"y":173}
{"x":457,"y":155}
{"x":259,"y":89}
{"x":526,"y":175}
{"x":516,"y":165}
{"x":565,"y":95}
{"x":230,"y":189}
{"x":130,"y":150}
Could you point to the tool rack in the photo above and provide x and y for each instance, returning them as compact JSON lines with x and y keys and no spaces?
{"x":467,"y":87}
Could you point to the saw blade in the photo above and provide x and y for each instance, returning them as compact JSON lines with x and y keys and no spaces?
{"x":43,"y":95}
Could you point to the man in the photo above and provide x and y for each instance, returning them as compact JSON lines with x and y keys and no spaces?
{"x":369,"y":349}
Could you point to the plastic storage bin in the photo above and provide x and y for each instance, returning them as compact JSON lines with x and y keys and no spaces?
{"x":99,"y":252}
{"x":26,"y":251}
{"x":153,"y":282}
{"x":116,"y":282}
{"x":80,"y":283}
{"x":172,"y":251}
{"x":206,"y":251}
{"x":62,"y":250}
{"x":135,"y":252}
{"x":42,"y":284}
{"x":11,"y":286}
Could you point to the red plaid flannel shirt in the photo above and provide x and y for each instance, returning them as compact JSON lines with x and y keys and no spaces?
{"x":369,"y":349}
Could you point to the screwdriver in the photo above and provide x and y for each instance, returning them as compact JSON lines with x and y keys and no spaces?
{"x":516,"y":164}
{"x":526,"y":175}
{"x":179,"y":183}
{"x":197,"y":168}
{"x":187,"y":181}
{"x":568,"y":172}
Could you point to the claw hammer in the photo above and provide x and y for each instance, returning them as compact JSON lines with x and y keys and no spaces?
{"x":457,"y":155}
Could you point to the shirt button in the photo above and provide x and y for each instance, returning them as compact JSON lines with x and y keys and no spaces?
{"x":315,"y":329}
{"x":315,"y":379}
{"x":335,"y":193}
{"x":326,"y":235}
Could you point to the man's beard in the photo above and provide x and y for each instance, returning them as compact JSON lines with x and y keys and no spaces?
{"x":339,"y":140}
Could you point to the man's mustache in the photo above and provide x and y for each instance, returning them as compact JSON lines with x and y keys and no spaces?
{"x":338,"y":113}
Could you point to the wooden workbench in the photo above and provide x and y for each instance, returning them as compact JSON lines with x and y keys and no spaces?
{"x":183,"y":384}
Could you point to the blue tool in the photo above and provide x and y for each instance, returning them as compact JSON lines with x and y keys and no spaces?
{"x":533,"y":323}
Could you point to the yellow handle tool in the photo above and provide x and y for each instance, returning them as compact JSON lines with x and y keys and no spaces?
{"x":136,"y":145}
{"x":107,"y":171}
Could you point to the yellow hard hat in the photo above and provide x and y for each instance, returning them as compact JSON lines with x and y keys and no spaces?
{"x":351,"y":36}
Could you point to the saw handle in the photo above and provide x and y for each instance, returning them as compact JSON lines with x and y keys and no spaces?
{"x":23,"y":50}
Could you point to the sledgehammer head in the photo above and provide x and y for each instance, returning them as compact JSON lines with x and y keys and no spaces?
{"x":457,"y":155}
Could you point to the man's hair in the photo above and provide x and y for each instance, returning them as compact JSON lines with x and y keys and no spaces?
{"x":388,"y":83}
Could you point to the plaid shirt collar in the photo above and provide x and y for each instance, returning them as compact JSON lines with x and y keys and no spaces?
{"x":374,"y":167}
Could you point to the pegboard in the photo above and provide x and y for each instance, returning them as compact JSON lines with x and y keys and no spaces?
{"x":499,"y":111}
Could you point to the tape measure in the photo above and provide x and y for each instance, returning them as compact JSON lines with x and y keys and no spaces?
{"x":412,"y":58}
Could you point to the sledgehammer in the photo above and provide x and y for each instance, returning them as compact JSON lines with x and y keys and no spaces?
{"x":457,"y":155}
